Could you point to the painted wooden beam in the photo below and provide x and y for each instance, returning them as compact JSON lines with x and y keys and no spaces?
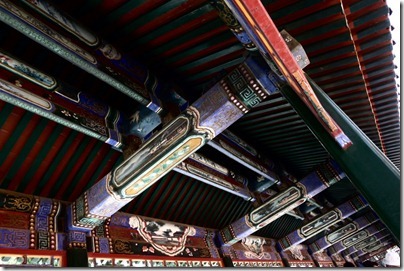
{"x":241,"y":34}
{"x":373,"y":248}
{"x":359,"y":162}
{"x":379,"y":249}
{"x":338,"y":260}
{"x":43,"y":109}
{"x":89,"y":52}
{"x":319,"y":224}
{"x":375,"y":237}
{"x":252,"y":15}
{"x":237,"y":149}
{"x":139,"y":229}
{"x":34,"y":222}
{"x":29,"y":88}
{"x":343,"y":232}
{"x":106,"y":59}
{"x":222,"y":105}
{"x":21,"y":20}
{"x":205,"y":170}
{"x":282,"y":203}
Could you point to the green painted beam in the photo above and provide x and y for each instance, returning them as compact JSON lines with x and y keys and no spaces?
{"x":370,"y":171}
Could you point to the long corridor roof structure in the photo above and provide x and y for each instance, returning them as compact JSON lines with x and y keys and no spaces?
{"x":186,"y":43}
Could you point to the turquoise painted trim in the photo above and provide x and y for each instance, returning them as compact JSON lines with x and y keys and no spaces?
{"x":36,"y":110}
{"x":53,"y":46}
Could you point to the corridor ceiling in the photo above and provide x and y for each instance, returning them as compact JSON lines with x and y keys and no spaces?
{"x":184,"y":42}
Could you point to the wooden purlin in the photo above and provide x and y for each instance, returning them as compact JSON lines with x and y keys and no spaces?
{"x":261,"y":29}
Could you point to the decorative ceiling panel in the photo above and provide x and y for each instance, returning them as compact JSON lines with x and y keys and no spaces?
{"x":185,"y":42}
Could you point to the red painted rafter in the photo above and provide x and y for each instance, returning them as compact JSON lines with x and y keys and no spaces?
{"x":168,"y":17}
{"x":175,"y":33}
{"x":191,"y":43}
{"x":131,"y":15}
{"x":16,"y":152}
{"x":45,"y":164}
{"x":58,"y":171}
{"x":90,"y":171}
{"x":32,"y":154}
{"x":255,"y":18}
{"x":167,"y":193}
{"x":73,"y":172}
{"x":304,"y":12}
{"x":9,"y":126}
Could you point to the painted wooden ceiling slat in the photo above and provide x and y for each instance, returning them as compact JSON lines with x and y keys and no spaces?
{"x":43,"y":161}
{"x":158,"y":192}
{"x":212,"y":60}
{"x":86,"y":168}
{"x":30,"y":152}
{"x":186,"y":53}
{"x":131,"y":27}
{"x":126,"y":12}
{"x":224,"y":211}
{"x":313,"y":21}
{"x":60,"y":161}
{"x":173,"y":30}
{"x":177,"y":203}
{"x":108,"y":158}
{"x":188,"y":201}
{"x":227,"y":65}
{"x":188,"y":40}
{"x":16,"y":134}
{"x":11,"y":117}
{"x":169,"y":15}
{"x":145,"y":196}
{"x":103,"y":154}
{"x":169,"y":189}
{"x":208,"y":214}
{"x":70,"y":178}
{"x":204,"y":190}
{"x":198,"y":218}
